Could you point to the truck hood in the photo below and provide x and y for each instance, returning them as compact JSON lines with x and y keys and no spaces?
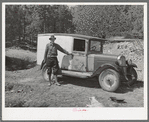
{"x":104,"y":57}
{"x":107,"y":57}
{"x":97,"y":60}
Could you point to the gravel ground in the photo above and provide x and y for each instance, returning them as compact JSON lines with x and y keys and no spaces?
{"x":26,"y":88}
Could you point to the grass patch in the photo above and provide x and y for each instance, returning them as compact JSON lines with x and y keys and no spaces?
{"x":9,"y":86}
{"x":17,"y":94}
{"x":15,"y":103}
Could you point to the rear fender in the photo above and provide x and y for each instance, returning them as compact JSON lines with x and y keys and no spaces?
{"x":105,"y":66}
{"x":42,"y":64}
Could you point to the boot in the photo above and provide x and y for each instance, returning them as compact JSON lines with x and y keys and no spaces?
{"x":52,"y":79}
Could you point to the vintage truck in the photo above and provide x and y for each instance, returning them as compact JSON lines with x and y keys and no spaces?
{"x":88,"y":60}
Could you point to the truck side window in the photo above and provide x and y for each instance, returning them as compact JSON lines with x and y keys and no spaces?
{"x":79,"y":45}
{"x":95,"y":45}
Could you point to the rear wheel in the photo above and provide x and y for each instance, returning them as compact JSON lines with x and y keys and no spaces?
{"x":109,"y":80}
{"x":45,"y":73}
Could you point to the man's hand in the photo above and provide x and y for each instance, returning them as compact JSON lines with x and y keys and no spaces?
{"x":71,"y":55}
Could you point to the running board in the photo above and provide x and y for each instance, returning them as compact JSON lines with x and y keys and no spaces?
{"x":76,"y":74}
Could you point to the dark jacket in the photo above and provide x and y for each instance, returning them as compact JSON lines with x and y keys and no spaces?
{"x":51,"y":50}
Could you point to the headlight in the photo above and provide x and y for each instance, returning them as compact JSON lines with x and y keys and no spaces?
{"x":121,"y":60}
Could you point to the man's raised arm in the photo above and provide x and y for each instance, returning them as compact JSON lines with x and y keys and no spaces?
{"x":62,"y":50}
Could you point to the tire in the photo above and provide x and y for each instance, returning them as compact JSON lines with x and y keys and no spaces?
{"x":44,"y":73}
{"x":132,"y":77}
{"x":109,"y":80}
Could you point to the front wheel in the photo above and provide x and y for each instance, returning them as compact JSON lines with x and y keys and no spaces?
{"x":45,"y":73}
{"x":109,"y":80}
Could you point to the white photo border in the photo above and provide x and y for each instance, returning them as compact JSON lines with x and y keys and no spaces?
{"x":132,"y":113}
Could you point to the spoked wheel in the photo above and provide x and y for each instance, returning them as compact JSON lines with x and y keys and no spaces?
{"x":132,"y":76}
{"x":109,"y":80}
{"x":45,"y":73}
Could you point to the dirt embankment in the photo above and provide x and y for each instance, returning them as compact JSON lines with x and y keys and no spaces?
{"x":18,"y":59}
{"x":131,"y":50}
{"x":25,"y":87}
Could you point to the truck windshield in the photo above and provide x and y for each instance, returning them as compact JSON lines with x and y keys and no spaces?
{"x":95,"y":45}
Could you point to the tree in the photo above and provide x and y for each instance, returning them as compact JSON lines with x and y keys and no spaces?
{"x":112,"y":20}
{"x":26,"y":21}
{"x":13,"y":22}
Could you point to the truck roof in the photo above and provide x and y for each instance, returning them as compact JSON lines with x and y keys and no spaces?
{"x":73,"y":35}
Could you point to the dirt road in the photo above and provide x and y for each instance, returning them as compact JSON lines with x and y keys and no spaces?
{"x":26,"y":88}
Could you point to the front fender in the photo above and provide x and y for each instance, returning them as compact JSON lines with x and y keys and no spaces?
{"x":105,"y":66}
{"x":133,"y":65}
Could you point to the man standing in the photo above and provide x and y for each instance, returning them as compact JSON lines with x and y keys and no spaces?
{"x":50,"y":57}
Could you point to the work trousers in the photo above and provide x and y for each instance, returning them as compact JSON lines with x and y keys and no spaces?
{"x":52,"y":63}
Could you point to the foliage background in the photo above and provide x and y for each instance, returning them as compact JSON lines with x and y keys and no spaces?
{"x":25,"y":22}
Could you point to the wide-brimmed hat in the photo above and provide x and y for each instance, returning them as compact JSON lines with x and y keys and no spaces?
{"x":52,"y":37}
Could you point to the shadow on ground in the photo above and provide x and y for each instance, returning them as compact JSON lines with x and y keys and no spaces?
{"x":93,"y":83}
{"x":125,"y":88}
{"x":13,"y":64}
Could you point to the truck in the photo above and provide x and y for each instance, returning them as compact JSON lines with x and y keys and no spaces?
{"x":88,"y":60}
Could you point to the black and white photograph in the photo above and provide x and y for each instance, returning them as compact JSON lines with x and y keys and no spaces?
{"x":74,"y":61}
